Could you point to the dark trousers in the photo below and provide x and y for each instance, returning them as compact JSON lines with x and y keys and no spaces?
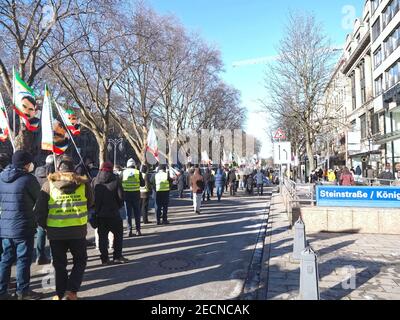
{"x":132,"y":207}
{"x":19,"y":251}
{"x":162,"y":200}
{"x":232,"y":188}
{"x":59,"y":249}
{"x":180,"y":192}
{"x":260,"y":187}
{"x":115,"y":226}
{"x":144,"y":208}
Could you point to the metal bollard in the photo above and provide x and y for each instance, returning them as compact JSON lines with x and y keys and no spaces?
{"x":309,"y":276}
{"x":299,"y":243}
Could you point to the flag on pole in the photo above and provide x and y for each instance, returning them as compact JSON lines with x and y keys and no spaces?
{"x":152,"y":144}
{"x":71,"y":121}
{"x":53,"y":132}
{"x":25,"y":103}
{"x":4,"y":123}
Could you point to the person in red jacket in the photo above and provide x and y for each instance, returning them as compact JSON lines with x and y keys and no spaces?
{"x":346,"y":179}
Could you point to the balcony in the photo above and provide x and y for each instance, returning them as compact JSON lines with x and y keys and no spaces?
{"x":363,"y":44}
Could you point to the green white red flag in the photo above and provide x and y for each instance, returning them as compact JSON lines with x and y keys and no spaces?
{"x":25,"y":103}
{"x":54,"y":135}
{"x":71,"y":121}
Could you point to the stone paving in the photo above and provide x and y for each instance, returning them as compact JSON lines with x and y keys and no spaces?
{"x":374,"y":259}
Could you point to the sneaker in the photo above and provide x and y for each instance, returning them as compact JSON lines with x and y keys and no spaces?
{"x":29,"y":295}
{"x":130,"y":234}
{"x":138,"y":233}
{"x":106,"y":263}
{"x":121,"y":260}
{"x":43,"y":261}
{"x":165,"y":222}
{"x":56,"y":298}
{"x":147,"y":222}
{"x":159,"y":223}
{"x":71,"y":296}
{"x":198,"y":212}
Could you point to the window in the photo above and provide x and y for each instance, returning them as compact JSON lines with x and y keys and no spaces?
{"x":378,"y":57}
{"x":353,"y":91}
{"x":375,"y":5}
{"x":362,"y":82}
{"x":392,"y":42}
{"x":374,"y":119}
{"x":376,"y":29}
{"x":378,"y":86}
{"x":389,"y":13}
{"x":363,"y":122}
{"x":392,"y":75}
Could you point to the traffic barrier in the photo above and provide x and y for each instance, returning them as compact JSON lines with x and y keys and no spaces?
{"x":309,"y":276}
{"x":299,"y":243}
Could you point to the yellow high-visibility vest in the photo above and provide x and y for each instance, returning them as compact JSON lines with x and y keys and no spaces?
{"x":131,"y":180}
{"x":162,"y":183}
{"x":67,"y":210}
{"x":145,"y":188}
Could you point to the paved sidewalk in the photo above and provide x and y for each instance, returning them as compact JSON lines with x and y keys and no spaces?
{"x":201,"y":257}
{"x":374,"y":259}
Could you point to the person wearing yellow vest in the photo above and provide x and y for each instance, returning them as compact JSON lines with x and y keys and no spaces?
{"x":62,"y":210}
{"x":162,"y":184}
{"x":145,"y":194}
{"x":132,"y":180}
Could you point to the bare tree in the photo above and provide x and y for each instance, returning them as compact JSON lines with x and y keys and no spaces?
{"x":296,"y":82}
{"x":89,"y":75}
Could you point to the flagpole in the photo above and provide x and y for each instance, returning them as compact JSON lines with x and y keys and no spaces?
{"x":52,"y":131}
{"x":14,"y":99}
{"x":71,"y":137}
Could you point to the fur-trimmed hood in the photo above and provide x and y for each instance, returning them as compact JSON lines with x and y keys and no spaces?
{"x":67,"y":181}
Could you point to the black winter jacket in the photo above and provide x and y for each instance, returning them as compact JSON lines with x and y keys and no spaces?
{"x":108,"y":195}
{"x":19,"y":191}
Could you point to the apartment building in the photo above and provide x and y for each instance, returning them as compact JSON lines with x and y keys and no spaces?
{"x":385,"y":46}
{"x":359,"y":107}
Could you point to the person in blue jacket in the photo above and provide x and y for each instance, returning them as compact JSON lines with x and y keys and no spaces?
{"x":220,"y":181}
{"x":19,"y":191}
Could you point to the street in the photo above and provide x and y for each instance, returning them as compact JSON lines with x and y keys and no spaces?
{"x":204,"y":257}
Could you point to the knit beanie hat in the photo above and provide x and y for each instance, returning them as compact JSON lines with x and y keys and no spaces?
{"x":21,"y":158}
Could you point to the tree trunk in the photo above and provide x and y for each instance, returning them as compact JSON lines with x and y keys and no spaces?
{"x":25,"y":140}
{"x":310,"y":154}
{"x":102,"y":143}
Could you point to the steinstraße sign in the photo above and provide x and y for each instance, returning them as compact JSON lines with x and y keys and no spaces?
{"x":365,"y":197}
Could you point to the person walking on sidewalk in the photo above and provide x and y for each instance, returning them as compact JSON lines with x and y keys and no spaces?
{"x":132,"y":180}
{"x":250,"y":184}
{"x":207,"y":185}
{"x":145,"y":194}
{"x":109,"y":199}
{"x":162,"y":184}
{"x":347,"y":179}
{"x":220,"y":183}
{"x":232,"y":182}
{"x":41,"y":174}
{"x":19,"y":191}
{"x":197,"y":184}
{"x":260,"y":183}
{"x":62,"y":209}
{"x":181,"y":184}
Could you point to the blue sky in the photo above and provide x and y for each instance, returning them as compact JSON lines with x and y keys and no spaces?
{"x":250,"y":29}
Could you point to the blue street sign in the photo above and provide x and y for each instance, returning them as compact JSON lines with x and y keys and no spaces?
{"x":366,"y":197}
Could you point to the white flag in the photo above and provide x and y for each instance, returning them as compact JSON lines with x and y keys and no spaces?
{"x":152,"y":144}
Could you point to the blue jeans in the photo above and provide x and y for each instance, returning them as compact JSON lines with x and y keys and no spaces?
{"x":220,"y":192}
{"x":207,"y":191}
{"x":41,"y":244}
{"x":21,"y":252}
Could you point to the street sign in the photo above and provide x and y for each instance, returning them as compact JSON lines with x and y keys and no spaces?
{"x":358,"y":197}
{"x":280,"y":135}
{"x":282,"y":153}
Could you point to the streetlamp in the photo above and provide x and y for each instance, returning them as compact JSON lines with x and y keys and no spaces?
{"x":115,"y":143}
